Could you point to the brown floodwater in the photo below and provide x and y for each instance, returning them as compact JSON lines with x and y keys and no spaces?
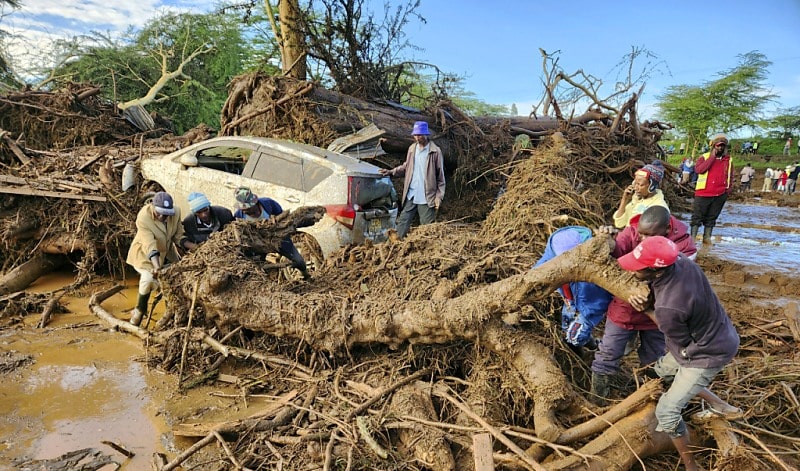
{"x":85,"y":386}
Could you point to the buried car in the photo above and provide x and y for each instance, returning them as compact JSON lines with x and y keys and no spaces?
{"x":360,"y":203}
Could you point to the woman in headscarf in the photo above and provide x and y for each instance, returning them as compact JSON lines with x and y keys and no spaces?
{"x":641,"y":194}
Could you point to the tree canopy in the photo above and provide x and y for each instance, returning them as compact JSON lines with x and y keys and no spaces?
{"x":178,"y":64}
{"x":733,"y":101}
{"x":785,"y":123}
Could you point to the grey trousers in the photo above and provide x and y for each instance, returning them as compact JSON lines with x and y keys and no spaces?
{"x":427,"y":215}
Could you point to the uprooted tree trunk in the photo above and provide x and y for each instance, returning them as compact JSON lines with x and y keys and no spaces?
{"x":226,"y":298}
{"x":26,"y":273}
{"x":254,"y":98}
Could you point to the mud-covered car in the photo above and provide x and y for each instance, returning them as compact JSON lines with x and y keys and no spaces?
{"x":360,"y":203}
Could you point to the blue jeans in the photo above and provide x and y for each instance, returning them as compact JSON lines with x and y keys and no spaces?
{"x":686,"y":383}
{"x":612,"y":347}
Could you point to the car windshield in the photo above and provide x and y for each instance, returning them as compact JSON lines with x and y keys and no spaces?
{"x":372,"y":192}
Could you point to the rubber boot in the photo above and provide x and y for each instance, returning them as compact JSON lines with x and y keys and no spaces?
{"x":601,"y":388}
{"x":707,"y":235}
{"x":140,"y":310}
{"x":694,"y":230}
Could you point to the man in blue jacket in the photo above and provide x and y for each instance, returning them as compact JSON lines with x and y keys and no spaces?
{"x":252,"y":208}
{"x":585,"y":304}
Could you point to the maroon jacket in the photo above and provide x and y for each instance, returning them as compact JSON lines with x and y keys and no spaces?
{"x":619,"y":311}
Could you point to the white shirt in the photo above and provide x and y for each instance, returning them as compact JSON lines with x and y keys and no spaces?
{"x":416,"y":189}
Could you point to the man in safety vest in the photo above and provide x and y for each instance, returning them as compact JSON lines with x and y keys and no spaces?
{"x":714,"y":183}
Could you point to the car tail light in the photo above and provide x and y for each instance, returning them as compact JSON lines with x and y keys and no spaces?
{"x":343,"y":213}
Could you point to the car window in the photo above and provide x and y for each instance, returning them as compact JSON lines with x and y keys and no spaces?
{"x":230,"y":159}
{"x":283,"y":170}
{"x":370,"y":192}
{"x":314,"y":174}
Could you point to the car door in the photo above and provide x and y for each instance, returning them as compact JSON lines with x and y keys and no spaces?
{"x":276,"y":175}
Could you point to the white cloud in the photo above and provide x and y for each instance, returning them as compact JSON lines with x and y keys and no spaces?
{"x":33,"y":28}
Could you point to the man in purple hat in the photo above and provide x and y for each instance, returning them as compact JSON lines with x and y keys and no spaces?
{"x":700,"y":337}
{"x":423,"y":188}
{"x":158,"y":226}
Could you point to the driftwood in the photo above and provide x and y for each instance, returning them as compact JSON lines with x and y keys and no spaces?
{"x":86,"y":458}
{"x":286,"y":314}
{"x":23,"y":275}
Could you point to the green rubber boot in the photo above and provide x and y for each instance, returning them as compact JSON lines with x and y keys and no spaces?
{"x":140,"y":310}
{"x":601,"y":388}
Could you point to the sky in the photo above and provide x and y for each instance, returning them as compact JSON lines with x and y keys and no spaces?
{"x":495,"y":45}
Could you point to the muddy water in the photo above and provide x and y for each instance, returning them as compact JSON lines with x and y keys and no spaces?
{"x":83,"y":387}
{"x":761,"y":236}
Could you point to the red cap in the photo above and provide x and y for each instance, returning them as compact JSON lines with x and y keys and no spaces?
{"x":653,"y":252}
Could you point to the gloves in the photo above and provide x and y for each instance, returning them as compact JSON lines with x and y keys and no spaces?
{"x":578,"y":333}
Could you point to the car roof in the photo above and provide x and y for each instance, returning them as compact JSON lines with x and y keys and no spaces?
{"x":346,"y":163}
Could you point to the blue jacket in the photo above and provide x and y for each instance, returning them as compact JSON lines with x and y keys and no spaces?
{"x":271,"y":207}
{"x":585,"y":304}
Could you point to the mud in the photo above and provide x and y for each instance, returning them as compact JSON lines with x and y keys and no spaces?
{"x":87,"y":384}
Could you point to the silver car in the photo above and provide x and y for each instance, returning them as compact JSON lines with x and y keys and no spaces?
{"x":361,"y":204}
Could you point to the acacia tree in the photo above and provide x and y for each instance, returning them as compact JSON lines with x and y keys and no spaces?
{"x":358,"y":54}
{"x":7,"y":76}
{"x":733,"y":101}
{"x":177,"y":65}
{"x":786,"y":123}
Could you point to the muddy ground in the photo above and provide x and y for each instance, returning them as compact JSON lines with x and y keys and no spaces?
{"x":76,"y":383}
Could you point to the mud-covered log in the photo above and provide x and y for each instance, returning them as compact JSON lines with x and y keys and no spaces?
{"x":536,"y":365}
{"x":427,"y":443}
{"x":621,"y":446}
{"x":23,"y":275}
{"x":536,"y":126}
{"x":287,"y":314}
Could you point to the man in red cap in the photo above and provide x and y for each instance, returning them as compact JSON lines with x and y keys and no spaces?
{"x":624,"y":324}
{"x":423,"y":188}
{"x":700,"y":337}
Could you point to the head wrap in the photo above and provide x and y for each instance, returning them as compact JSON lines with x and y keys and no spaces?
{"x":245,"y":199}
{"x":654,"y":172}
{"x":720,"y":137}
{"x":198,"y":201}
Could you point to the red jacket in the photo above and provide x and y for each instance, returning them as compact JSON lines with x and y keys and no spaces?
{"x":714,"y":175}
{"x":619,"y":310}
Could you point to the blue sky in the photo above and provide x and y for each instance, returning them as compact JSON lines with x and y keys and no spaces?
{"x":495,"y":45}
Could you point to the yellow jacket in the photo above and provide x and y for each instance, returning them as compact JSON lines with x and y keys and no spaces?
{"x":154,"y":236}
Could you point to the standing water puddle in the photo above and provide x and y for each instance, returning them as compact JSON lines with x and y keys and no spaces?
{"x":765,"y":238}
{"x":84,"y":386}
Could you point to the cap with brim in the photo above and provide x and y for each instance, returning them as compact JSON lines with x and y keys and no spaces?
{"x":653,"y":252}
{"x":162,"y":202}
{"x":245,"y":199}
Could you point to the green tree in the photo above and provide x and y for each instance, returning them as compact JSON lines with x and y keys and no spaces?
{"x":8,"y":78}
{"x":787,"y":122}
{"x":178,"y":65}
{"x":514,"y":111}
{"x":733,"y":101}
